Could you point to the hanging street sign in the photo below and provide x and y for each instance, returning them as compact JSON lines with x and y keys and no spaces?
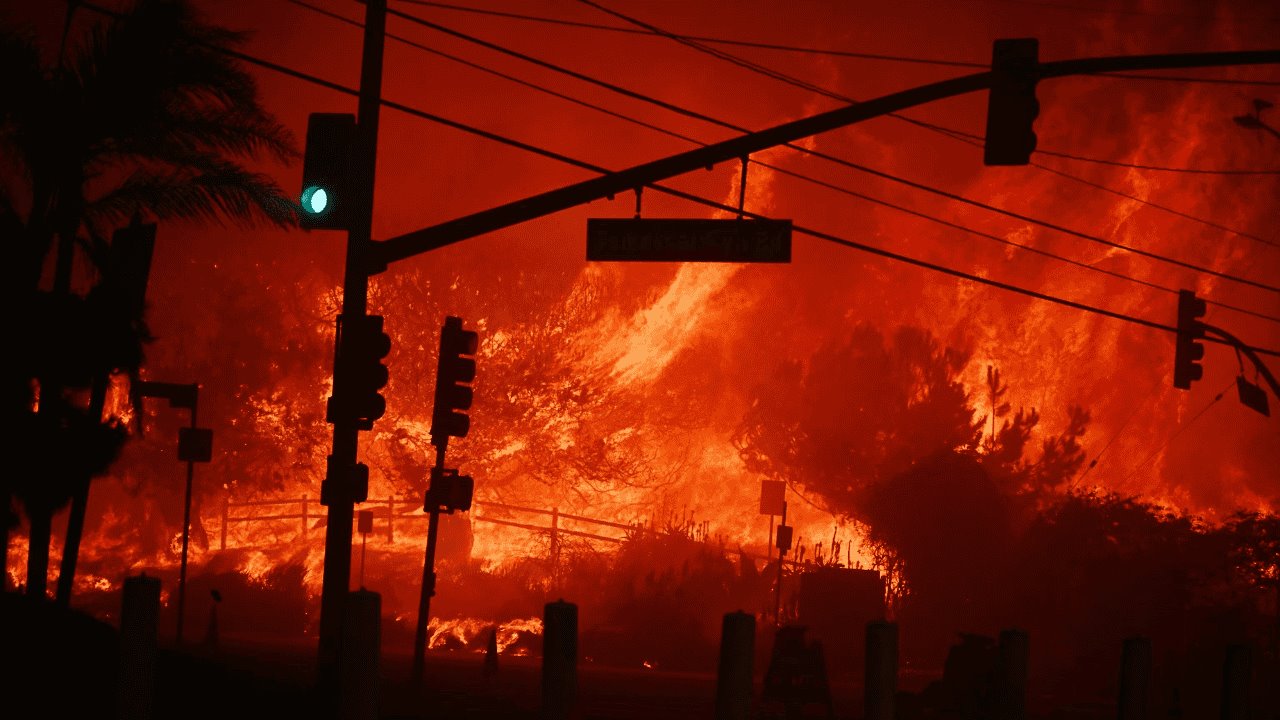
{"x":667,"y":240}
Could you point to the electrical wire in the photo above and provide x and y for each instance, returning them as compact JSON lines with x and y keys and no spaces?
{"x":1175,"y":17}
{"x":699,"y":38}
{"x":957,"y":134}
{"x":1184,"y":79}
{"x":1114,"y":436}
{"x":805,"y":85}
{"x":796,"y":49}
{"x":1147,"y":462}
{"x":800,"y":176}
{"x":888,"y":176}
{"x":835,"y":239}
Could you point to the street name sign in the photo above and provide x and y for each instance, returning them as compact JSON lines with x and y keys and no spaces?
{"x":678,"y":240}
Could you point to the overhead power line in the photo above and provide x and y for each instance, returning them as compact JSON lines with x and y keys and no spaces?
{"x":957,"y":134}
{"x":722,"y":123}
{"x":717,"y":205}
{"x":1184,"y":79}
{"x":796,"y":49}
{"x":800,"y":176}
{"x":1112,"y":10}
{"x":700,"y":38}
{"x":816,"y":89}
{"x":1147,"y":461}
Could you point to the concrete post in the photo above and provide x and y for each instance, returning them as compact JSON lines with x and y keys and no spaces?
{"x":559,"y":659}
{"x":139,"y":628}
{"x":737,"y":655}
{"x":1011,"y":676}
{"x":1135,"y":679}
{"x":1237,"y":672}
{"x":361,"y":650}
{"x":882,"y":670}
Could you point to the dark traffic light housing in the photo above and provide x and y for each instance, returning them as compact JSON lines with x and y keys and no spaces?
{"x":454,"y":372}
{"x":327,"y":172}
{"x":1187,"y":351}
{"x":360,"y":372}
{"x":449,"y":491}
{"x":344,"y":484}
{"x":1012,"y":106}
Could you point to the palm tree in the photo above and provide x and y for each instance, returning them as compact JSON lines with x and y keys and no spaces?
{"x":149,"y":114}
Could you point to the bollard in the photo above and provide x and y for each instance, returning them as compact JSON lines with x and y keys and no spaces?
{"x":361,"y":648}
{"x":1135,"y":679}
{"x":737,"y":654}
{"x":1011,"y":676}
{"x":882,"y":670}
{"x":139,"y":623}
{"x":1237,"y":671}
{"x":559,"y":659}
{"x":491,"y":654}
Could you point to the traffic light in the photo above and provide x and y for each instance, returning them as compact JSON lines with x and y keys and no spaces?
{"x":129,"y":266}
{"x":1012,"y":106}
{"x":1187,"y":353}
{"x":360,"y":372}
{"x":449,"y":491}
{"x":453,"y":373}
{"x":344,"y":484}
{"x":327,"y":169}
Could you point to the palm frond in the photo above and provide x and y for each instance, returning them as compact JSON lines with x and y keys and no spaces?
{"x":223,"y":191}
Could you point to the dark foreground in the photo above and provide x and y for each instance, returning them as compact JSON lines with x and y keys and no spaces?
{"x":64,"y":664}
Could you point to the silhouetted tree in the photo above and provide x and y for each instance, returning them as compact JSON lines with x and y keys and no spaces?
{"x":146,"y":115}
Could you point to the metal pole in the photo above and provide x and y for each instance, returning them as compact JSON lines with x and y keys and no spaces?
{"x":777,"y":592}
{"x":186,"y":535}
{"x":336,"y":582}
{"x":428,"y":583}
{"x":768,"y":548}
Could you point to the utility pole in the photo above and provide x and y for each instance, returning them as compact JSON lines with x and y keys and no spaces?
{"x":339,"y":479}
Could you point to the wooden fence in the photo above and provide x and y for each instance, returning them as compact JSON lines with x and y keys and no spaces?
{"x":388,"y":512}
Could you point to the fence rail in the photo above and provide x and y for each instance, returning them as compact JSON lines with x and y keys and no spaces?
{"x":386,"y":511}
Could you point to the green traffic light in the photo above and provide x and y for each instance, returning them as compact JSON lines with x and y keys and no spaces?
{"x":315,"y":200}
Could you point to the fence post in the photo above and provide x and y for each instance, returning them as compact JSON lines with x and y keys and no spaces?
{"x":391,"y":516}
{"x":555,"y":547}
{"x":1135,"y":678}
{"x":226,"y":510}
{"x":306,"y":532}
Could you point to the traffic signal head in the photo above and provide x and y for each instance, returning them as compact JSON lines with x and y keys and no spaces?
{"x":361,"y":373}
{"x":1012,"y":106}
{"x":1187,"y":352}
{"x":327,"y":171}
{"x":453,"y":374}
{"x":344,"y":483}
{"x":449,"y":492}
{"x":129,"y":265}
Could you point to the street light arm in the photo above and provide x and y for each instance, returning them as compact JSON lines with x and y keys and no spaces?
{"x":405,"y":246}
